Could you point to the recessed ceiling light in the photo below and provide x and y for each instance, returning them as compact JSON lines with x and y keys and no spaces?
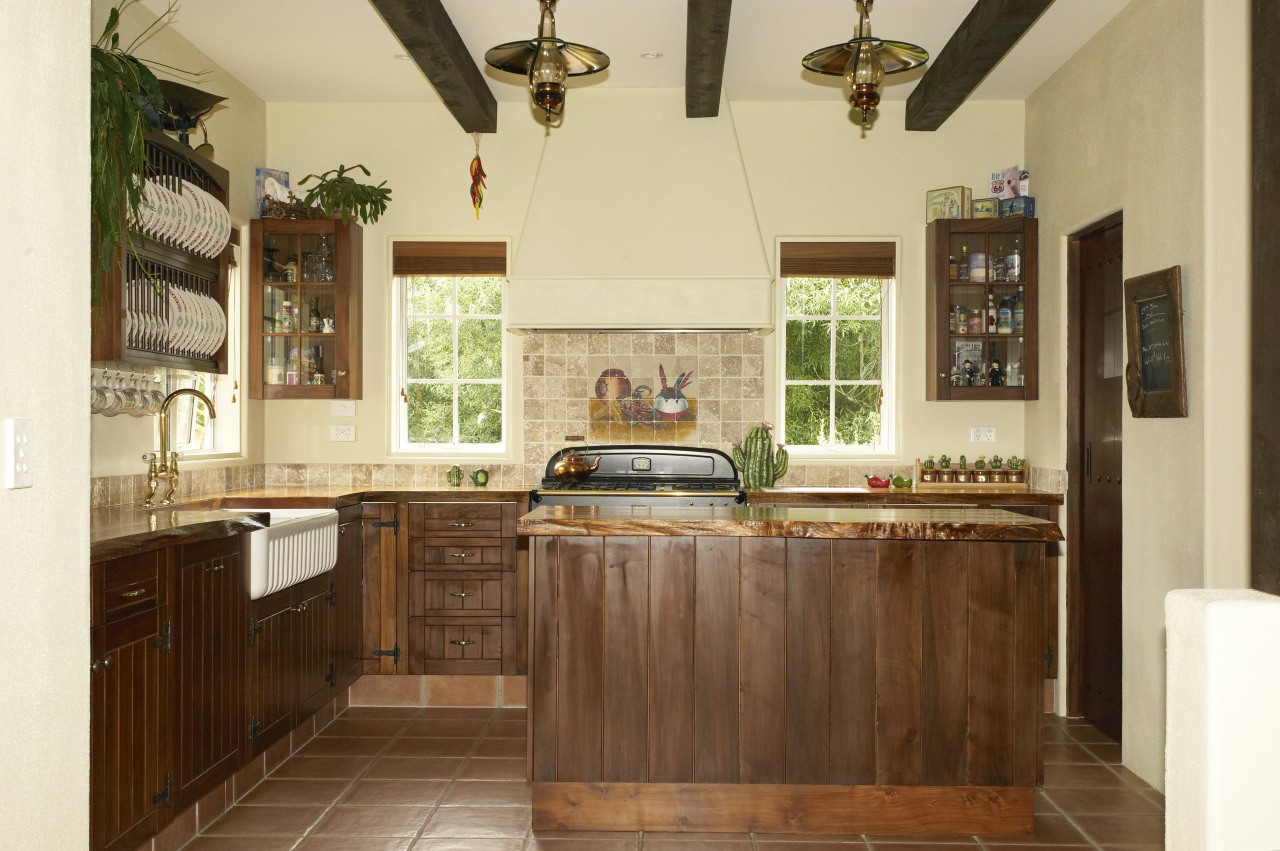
{"x":401,"y":56}
{"x":650,"y":55}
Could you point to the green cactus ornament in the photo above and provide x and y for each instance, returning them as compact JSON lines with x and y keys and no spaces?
{"x":760,"y":465}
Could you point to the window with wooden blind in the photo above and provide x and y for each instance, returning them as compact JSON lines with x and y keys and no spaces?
{"x":450,"y":349}
{"x":836,"y":357}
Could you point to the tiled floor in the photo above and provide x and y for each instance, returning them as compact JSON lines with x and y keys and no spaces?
{"x":387,"y":779}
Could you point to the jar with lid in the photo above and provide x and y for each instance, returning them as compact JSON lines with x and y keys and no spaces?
{"x":978,"y":267}
{"x":959,"y":321}
{"x":976,"y":321}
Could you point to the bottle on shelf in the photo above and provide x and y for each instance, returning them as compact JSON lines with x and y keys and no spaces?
{"x":1004,"y":316}
{"x":991,"y":313}
{"x":1013,"y":264}
{"x":978,"y":267}
{"x":963,"y":270}
{"x":1019,"y":312}
{"x":953,"y":268}
{"x":288,"y":321}
{"x":998,"y":269}
{"x":275,"y":371}
{"x":959,"y":322}
{"x":291,"y":368}
{"x":315,"y":321}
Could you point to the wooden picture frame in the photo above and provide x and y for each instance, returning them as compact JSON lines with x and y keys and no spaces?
{"x":1155,"y":374}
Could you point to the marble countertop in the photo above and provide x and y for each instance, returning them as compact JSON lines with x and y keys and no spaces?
{"x":912,"y":524}
{"x":121,"y":531}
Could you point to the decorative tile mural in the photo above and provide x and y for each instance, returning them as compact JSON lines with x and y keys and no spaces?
{"x":620,"y":402}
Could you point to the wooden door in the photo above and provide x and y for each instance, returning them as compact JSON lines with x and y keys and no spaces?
{"x":348,"y":637}
{"x":273,"y":671}
{"x":314,"y":634}
{"x":129,"y":696}
{"x":380,"y":542}
{"x":1098,"y":503}
{"x":208,"y":652}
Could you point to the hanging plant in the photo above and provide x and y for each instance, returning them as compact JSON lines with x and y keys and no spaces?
{"x":342,"y":194}
{"x":121,"y":88}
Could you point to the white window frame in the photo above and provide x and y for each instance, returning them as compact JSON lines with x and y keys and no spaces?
{"x":890,"y":380}
{"x":505,"y":451}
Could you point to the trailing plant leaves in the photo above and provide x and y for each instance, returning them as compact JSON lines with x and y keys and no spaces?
{"x":342,"y":194}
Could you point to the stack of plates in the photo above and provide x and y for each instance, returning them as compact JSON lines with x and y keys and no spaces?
{"x":194,"y":325}
{"x":182,"y":214}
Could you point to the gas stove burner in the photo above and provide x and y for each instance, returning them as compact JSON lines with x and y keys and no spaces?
{"x":646,"y":475}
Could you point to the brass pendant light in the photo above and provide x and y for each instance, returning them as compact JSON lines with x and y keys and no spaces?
{"x":547,"y":61}
{"x":864,"y":60}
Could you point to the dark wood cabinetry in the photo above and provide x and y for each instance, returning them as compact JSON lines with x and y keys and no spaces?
{"x":959,"y":301}
{"x":348,"y":583}
{"x":305,"y":309}
{"x":461,"y":588}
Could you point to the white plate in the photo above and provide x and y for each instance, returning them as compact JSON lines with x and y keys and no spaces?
{"x":204,"y":235}
{"x":206,"y":325}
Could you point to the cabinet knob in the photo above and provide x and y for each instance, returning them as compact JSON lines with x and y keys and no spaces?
{"x":461,"y":555}
{"x":462,"y":593}
{"x":342,"y":373}
{"x":462,"y":643}
{"x":136,"y":592}
{"x":103,"y":665}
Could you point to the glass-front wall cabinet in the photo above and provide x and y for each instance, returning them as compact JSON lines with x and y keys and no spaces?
{"x":982,"y":322}
{"x":305,"y":309}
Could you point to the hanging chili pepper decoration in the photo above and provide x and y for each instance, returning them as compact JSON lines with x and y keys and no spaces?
{"x":477,"y":178}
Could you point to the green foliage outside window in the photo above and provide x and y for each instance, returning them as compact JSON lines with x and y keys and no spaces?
{"x":453,"y":360}
{"x":833,"y":361}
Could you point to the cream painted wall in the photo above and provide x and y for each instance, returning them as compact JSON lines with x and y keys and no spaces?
{"x":237,"y":130}
{"x":1106,"y":134}
{"x":806,"y":181}
{"x":44,"y":297}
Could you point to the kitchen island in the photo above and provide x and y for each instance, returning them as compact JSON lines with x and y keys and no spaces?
{"x":801,"y":670}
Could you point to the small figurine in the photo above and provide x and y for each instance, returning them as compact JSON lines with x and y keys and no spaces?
{"x":971,"y":374}
{"x":955,"y":376}
{"x":981,"y":463}
{"x":996,"y":462}
{"x":928,"y":464}
{"x":329,"y":327}
{"x":454,"y":476}
{"x":945,"y":462}
{"x":995,"y":376}
{"x":1015,"y":463}
{"x":480,"y":476}
{"x":963,"y":463}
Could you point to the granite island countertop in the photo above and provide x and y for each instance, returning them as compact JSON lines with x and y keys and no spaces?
{"x":912,"y":524}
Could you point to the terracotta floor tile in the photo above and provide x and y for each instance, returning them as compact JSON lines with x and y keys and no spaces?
{"x":493,"y":769}
{"x":693,"y":836}
{"x":479,"y":822}
{"x":508,"y":729}
{"x":341,"y":746}
{"x":430,"y":747}
{"x":379,"y":792}
{"x":696,"y":845}
{"x":1075,"y":802}
{"x":457,"y":844}
{"x":489,"y":793}
{"x":1093,"y":776}
{"x":508,"y":748}
{"x":1050,"y":829}
{"x":383,"y":728}
{"x":277,"y":792}
{"x":372,"y":821}
{"x":793,"y":845}
{"x":628,"y":835}
{"x":1053,"y":735}
{"x":1132,"y":779}
{"x":1108,"y":752}
{"x":446,"y":727}
{"x":1089,"y":735}
{"x":1123,"y":830}
{"x":322,"y":767}
{"x":543,"y":844}
{"x":1059,"y":753}
{"x":458,"y":712}
{"x":1025,"y":847}
{"x":913,"y":846}
{"x":416,"y":768}
{"x":241,"y":820}
{"x":239,"y":843}
{"x":388,"y":690}
{"x":916,"y":840}
{"x":356,"y":843}
{"x":381,"y":713}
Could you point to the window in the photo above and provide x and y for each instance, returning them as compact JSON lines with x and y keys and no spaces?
{"x":451,"y":350}
{"x":191,"y":429}
{"x":837,"y":347}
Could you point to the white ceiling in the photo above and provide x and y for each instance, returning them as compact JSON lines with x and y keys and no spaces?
{"x":341,"y":51}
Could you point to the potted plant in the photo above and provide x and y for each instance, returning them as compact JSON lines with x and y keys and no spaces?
{"x":337,"y":193}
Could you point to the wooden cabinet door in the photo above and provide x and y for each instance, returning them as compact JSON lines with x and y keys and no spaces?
{"x":348,"y":638}
{"x":273,"y":671}
{"x":208,"y":654}
{"x":129,"y":695}
{"x":313,"y":626}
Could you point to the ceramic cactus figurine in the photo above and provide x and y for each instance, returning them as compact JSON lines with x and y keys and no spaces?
{"x":981,"y":463}
{"x":963,"y":463}
{"x":945,"y":462}
{"x":760,"y":465}
{"x":928,"y":464}
{"x":454,"y":476}
{"x":996,"y":462}
{"x":1015,"y":463}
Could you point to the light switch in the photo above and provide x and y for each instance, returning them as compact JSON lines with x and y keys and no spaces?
{"x":17,"y":453}
{"x":342,"y":408}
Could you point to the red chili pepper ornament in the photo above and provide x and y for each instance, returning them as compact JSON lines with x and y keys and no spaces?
{"x":477,"y":178}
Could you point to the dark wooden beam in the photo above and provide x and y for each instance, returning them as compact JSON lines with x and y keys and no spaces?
{"x":705,"y":45}
{"x":1265,"y":464}
{"x":431,"y":40}
{"x":989,"y":31}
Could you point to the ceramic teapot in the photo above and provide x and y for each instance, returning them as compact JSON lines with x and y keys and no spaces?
{"x":572,"y":467}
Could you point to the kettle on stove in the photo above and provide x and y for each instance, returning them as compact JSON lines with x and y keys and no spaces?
{"x":572,"y":467}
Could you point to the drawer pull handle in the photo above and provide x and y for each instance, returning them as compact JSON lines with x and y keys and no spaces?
{"x":462,"y":643}
{"x":462,"y":593}
{"x":137,"y":592}
{"x":461,"y":555}
{"x":463,"y":525}
{"x":213,"y":568}
{"x":104,"y":665}
{"x":301,"y":607}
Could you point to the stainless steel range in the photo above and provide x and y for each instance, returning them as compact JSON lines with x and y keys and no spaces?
{"x":645,"y":475}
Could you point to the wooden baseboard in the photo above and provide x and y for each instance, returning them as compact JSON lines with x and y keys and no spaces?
{"x":770,"y":808}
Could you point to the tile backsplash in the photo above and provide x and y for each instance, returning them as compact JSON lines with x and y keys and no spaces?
{"x":106,"y":491}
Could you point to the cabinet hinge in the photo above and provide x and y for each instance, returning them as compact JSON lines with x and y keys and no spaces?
{"x":165,"y":795}
{"x":332,"y":594}
{"x":254,"y":629}
{"x":332,"y":677}
{"x":394,"y":653}
{"x":164,"y":640}
{"x":393,"y":524}
{"x":255,"y":727}
{"x":1048,"y":656}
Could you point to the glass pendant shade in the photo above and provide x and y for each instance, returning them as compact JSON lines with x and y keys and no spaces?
{"x":547,"y":61}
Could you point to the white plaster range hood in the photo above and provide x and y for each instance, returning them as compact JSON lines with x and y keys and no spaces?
{"x":641,"y":219}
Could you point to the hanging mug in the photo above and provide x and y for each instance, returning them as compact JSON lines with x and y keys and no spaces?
{"x":454,"y":476}
{"x":480,"y":476}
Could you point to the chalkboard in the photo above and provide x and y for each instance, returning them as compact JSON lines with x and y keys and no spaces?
{"x":1155,"y":376}
{"x":1155,"y":341}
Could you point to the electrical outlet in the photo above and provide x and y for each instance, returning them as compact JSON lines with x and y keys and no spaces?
{"x":982,"y":434}
{"x":343,"y":433}
{"x":342,"y":408}
{"x":17,"y":453}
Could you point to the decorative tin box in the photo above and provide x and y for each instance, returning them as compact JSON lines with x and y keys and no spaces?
{"x":1019,"y":206}
{"x":986,"y":208}
{"x":952,"y":202}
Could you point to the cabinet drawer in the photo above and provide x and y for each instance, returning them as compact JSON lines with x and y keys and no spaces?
{"x":487,"y":593}
{"x":462,"y":645}
{"x":126,"y":586}
{"x":462,"y":519}
{"x":461,"y":553}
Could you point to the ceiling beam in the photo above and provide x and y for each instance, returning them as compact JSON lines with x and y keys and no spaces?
{"x":705,"y":46}
{"x":989,"y":31}
{"x":432,"y":41}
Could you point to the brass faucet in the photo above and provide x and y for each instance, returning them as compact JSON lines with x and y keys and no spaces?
{"x":164,"y":464}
